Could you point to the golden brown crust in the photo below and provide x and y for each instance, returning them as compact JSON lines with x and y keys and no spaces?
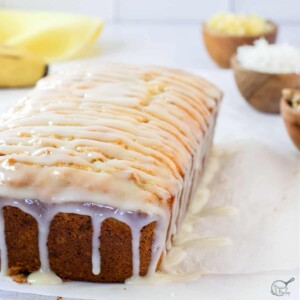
{"x":20,"y":278}
{"x":70,"y":246}
{"x":21,"y":232}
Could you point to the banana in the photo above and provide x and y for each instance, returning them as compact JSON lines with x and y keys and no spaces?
{"x":20,"y":68}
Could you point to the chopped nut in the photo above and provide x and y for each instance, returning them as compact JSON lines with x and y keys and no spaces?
{"x":287,"y":93}
{"x":292,"y":97}
{"x":295,"y":101}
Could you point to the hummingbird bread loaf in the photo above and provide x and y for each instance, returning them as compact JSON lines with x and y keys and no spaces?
{"x":98,"y":165}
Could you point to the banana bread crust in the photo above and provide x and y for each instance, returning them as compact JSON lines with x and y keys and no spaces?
{"x":70,"y":246}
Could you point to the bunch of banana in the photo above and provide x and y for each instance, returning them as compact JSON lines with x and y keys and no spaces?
{"x":20,"y":68}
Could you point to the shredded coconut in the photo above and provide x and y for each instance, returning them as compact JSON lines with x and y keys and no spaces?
{"x":264,"y":57}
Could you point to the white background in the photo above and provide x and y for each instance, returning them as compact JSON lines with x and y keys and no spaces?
{"x":284,"y":11}
{"x":164,"y":32}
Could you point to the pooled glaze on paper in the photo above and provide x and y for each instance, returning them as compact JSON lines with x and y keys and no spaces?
{"x":43,"y":278}
{"x":187,"y":236}
{"x":86,"y":130}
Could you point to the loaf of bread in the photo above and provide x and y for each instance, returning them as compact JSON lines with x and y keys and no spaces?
{"x":97,"y":167}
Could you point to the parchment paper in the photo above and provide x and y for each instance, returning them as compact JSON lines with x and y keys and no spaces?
{"x":264,"y":188}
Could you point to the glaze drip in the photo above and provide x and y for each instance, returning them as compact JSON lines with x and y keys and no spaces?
{"x":44,"y":214}
{"x":96,"y":261}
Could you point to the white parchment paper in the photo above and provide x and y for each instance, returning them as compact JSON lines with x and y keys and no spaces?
{"x":263,"y":187}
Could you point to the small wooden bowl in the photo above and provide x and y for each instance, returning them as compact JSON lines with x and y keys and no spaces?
{"x":263,"y":90}
{"x":291,"y":119}
{"x":221,"y":47}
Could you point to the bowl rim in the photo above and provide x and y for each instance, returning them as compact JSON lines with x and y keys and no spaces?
{"x":273,"y":30}
{"x":236,"y":64}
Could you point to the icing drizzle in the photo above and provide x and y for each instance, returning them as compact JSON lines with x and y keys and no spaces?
{"x":86,"y":130}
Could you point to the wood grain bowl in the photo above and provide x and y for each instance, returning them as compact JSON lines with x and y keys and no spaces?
{"x":263,"y":90}
{"x":221,"y":47}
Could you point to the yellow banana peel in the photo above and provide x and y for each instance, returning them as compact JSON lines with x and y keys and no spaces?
{"x":20,"y":68}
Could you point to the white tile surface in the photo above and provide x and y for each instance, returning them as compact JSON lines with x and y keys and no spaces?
{"x":281,"y":10}
{"x":164,"y":10}
{"x":100,"y":8}
{"x":171,"y":45}
{"x":169,"y":9}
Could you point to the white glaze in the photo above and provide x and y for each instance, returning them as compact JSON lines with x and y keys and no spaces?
{"x":3,"y":254}
{"x":96,"y":261}
{"x":117,"y":136}
{"x":187,"y":238}
{"x":44,"y":278}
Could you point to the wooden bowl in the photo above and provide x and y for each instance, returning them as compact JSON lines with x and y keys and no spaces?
{"x":221,"y":47}
{"x":291,"y":119}
{"x":263,"y":90}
